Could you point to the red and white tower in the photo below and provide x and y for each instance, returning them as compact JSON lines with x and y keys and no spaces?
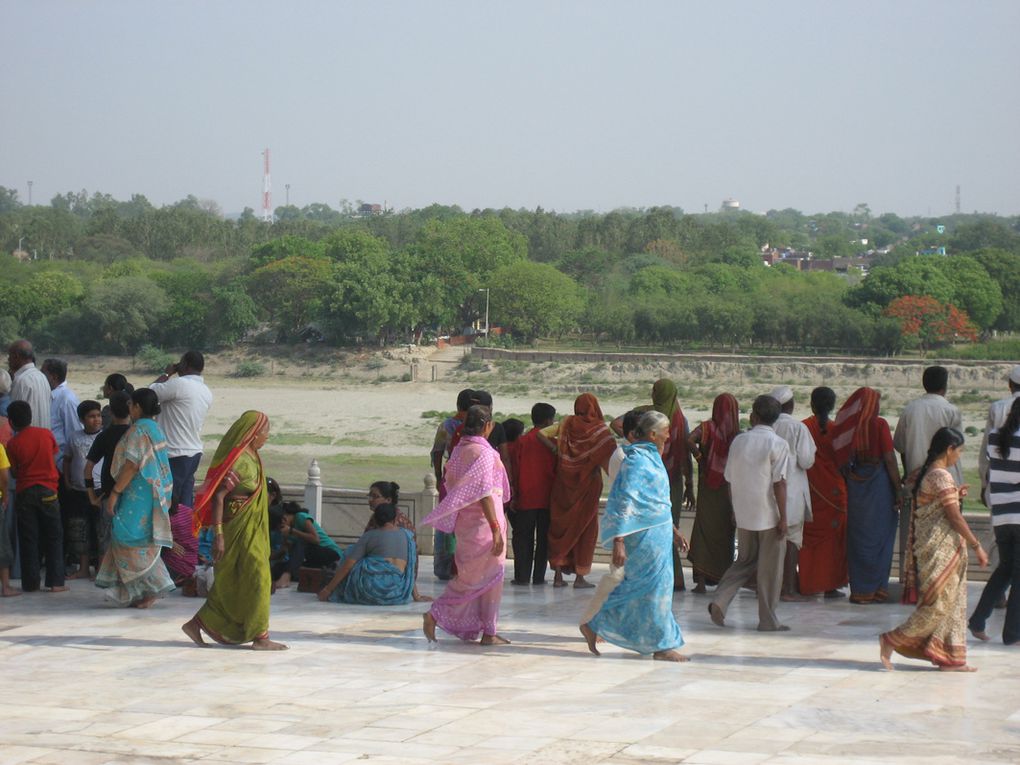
{"x":267,"y":191}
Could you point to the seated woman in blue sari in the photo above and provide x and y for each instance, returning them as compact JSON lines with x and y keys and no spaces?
{"x":378,"y":569}
{"x":638,"y":527}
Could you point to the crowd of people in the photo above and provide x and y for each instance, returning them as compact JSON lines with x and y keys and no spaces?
{"x":791,"y":509}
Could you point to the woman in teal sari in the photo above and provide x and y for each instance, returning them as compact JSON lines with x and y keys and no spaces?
{"x":132,"y":569}
{"x":638,"y":527}
{"x":378,"y":570}
{"x":234,"y":502}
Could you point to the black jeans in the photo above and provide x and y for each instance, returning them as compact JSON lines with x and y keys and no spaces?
{"x":304,"y":553}
{"x":39,"y":531}
{"x":531,"y":544}
{"x":182,"y":470}
{"x":1006,"y":574}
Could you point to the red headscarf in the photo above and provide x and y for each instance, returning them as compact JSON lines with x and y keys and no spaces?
{"x":716,"y":435}
{"x":851,"y":428}
{"x":584,"y":437}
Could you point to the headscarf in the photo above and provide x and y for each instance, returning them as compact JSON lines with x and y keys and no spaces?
{"x":664,"y":397}
{"x":240,"y":435}
{"x":474,"y":472}
{"x":639,"y":499}
{"x":850,"y":431}
{"x":584,"y":438}
{"x":717,"y":434}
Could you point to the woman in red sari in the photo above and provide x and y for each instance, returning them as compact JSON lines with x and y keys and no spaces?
{"x":584,"y":445}
{"x":823,"y":566}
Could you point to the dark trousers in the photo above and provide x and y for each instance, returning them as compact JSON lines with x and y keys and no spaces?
{"x":1006,"y":575}
{"x":531,"y":544}
{"x":182,"y":470}
{"x":304,"y":553}
{"x":39,"y":531}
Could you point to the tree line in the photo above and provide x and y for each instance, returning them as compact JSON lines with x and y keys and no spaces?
{"x":96,"y":274}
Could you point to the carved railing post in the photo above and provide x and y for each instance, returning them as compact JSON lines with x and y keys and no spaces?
{"x":313,"y":491}
{"x":429,"y":500}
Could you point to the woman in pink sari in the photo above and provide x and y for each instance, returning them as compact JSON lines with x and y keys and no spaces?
{"x":477,"y":487}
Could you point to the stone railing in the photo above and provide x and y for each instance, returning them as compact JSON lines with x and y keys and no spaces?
{"x":343,"y":513}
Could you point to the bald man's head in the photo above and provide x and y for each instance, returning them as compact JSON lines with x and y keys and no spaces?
{"x":18,"y":354}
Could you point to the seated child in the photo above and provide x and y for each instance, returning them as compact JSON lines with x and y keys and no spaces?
{"x":308,"y":544}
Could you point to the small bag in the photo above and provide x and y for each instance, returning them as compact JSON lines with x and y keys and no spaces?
{"x":313,"y":579}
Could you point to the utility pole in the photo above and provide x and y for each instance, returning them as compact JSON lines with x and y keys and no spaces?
{"x":30,"y":193}
{"x":267,"y":191}
{"x":486,"y":291}
{"x":287,"y":187}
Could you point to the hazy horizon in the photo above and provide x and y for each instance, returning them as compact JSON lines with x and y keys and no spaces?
{"x":564,"y":105}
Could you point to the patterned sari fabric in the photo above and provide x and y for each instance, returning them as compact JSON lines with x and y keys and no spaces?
{"x":469,"y":606}
{"x":237,"y":608}
{"x":712,"y":539}
{"x":638,"y":614}
{"x":936,"y":631}
{"x":585,"y":444}
{"x":377,"y":582}
{"x":182,"y":558}
{"x":823,"y":564}
{"x":132,"y":569}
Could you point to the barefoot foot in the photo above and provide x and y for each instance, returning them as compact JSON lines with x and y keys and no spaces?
{"x":669,"y":656}
{"x":699,"y":589}
{"x":493,"y":640}
{"x":885,"y":653}
{"x":144,"y":602}
{"x":718,"y":617}
{"x":11,"y":592}
{"x":265,"y":644}
{"x":580,"y":583}
{"x":591,"y":638}
{"x":193,"y":631}
{"x":428,"y":626}
{"x":979,"y":634}
{"x":964,"y":668}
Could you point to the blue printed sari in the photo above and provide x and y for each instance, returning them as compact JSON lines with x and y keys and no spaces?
{"x":132,"y":569}
{"x":377,"y":582}
{"x":638,"y":614}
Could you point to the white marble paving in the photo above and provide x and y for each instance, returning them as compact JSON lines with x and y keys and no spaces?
{"x":86,"y":684}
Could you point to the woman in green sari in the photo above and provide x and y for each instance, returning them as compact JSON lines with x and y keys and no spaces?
{"x":234,"y":503}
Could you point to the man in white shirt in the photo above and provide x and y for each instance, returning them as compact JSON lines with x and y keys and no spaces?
{"x":756,"y":472}
{"x":997,"y":414}
{"x":798,"y":491}
{"x":28,"y":384}
{"x":185,"y":401}
{"x":64,"y":420}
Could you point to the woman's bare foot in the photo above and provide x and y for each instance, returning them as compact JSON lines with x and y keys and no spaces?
{"x":591,"y":638}
{"x":494,"y":640}
{"x":419,"y":598}
{"x":699,"y":589}
{"x":265,"y":644}
{"x":670,"y":655}
{"x":193,"y":631}
{"x":558,"y":579}
{"x":963,"y":668}
{"x":580,"y":583}
{"x":979,"y":634}
{"x":10,"y":592}
{"x":885,"y":653}
{"x":428,"y":626}
{"x":283,"y":582}
{"x":144,"y":602}
{"x":79,"y":574}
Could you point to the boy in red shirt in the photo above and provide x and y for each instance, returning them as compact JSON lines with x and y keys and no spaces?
{"x":534,"y":468}
{"x":32,"y":453}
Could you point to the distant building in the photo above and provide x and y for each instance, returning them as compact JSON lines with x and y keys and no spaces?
{"x":730,"y":204}
{"x":370,"y":209}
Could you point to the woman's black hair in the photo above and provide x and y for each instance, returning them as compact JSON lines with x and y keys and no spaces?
{"x":513,"y":428}
{"x":116,"y":382}
{"x":823,"y":401}
{"x":120,"y":404}
{"x":940,"y":443}
{"x":275,"y":517}
{"x":388,"y":490}
{"x":147,"y":401}
{"x":273,"y":488}
{"x":1009,"y":428}
{"x":385,"y":513}
{"x":477,"y":418}
{"x":292,"y":508}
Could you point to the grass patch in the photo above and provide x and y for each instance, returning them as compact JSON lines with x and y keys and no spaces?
{"x":299,"y":439}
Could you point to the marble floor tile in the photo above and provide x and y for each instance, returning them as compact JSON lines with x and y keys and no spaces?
{"x":86,"y":684}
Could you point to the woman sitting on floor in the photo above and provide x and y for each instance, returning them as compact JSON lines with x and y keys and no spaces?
{"x":378,"y":570}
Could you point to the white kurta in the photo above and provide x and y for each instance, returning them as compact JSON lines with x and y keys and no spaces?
{"x":802,"y":457}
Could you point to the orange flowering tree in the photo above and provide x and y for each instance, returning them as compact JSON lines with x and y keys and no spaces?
{"x":929,"y":322}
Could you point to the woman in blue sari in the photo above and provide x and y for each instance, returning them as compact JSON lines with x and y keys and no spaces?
{"x":377,"y":570}
{"x":132,"y":569}
{"x":638,"y":527}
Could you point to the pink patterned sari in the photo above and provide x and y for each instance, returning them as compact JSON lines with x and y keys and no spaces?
{"x":469,"y":607}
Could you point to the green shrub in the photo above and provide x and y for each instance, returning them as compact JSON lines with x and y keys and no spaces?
{"x":249,"y":369}
{"x":152,"y":359}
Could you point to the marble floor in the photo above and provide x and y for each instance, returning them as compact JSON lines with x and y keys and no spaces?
{"x":84,"y":683}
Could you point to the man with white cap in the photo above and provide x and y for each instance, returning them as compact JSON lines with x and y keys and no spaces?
{"x":798,"y":492}
{"x":997,"y":414}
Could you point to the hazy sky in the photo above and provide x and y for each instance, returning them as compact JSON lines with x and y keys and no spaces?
{"x":568,"y":105}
